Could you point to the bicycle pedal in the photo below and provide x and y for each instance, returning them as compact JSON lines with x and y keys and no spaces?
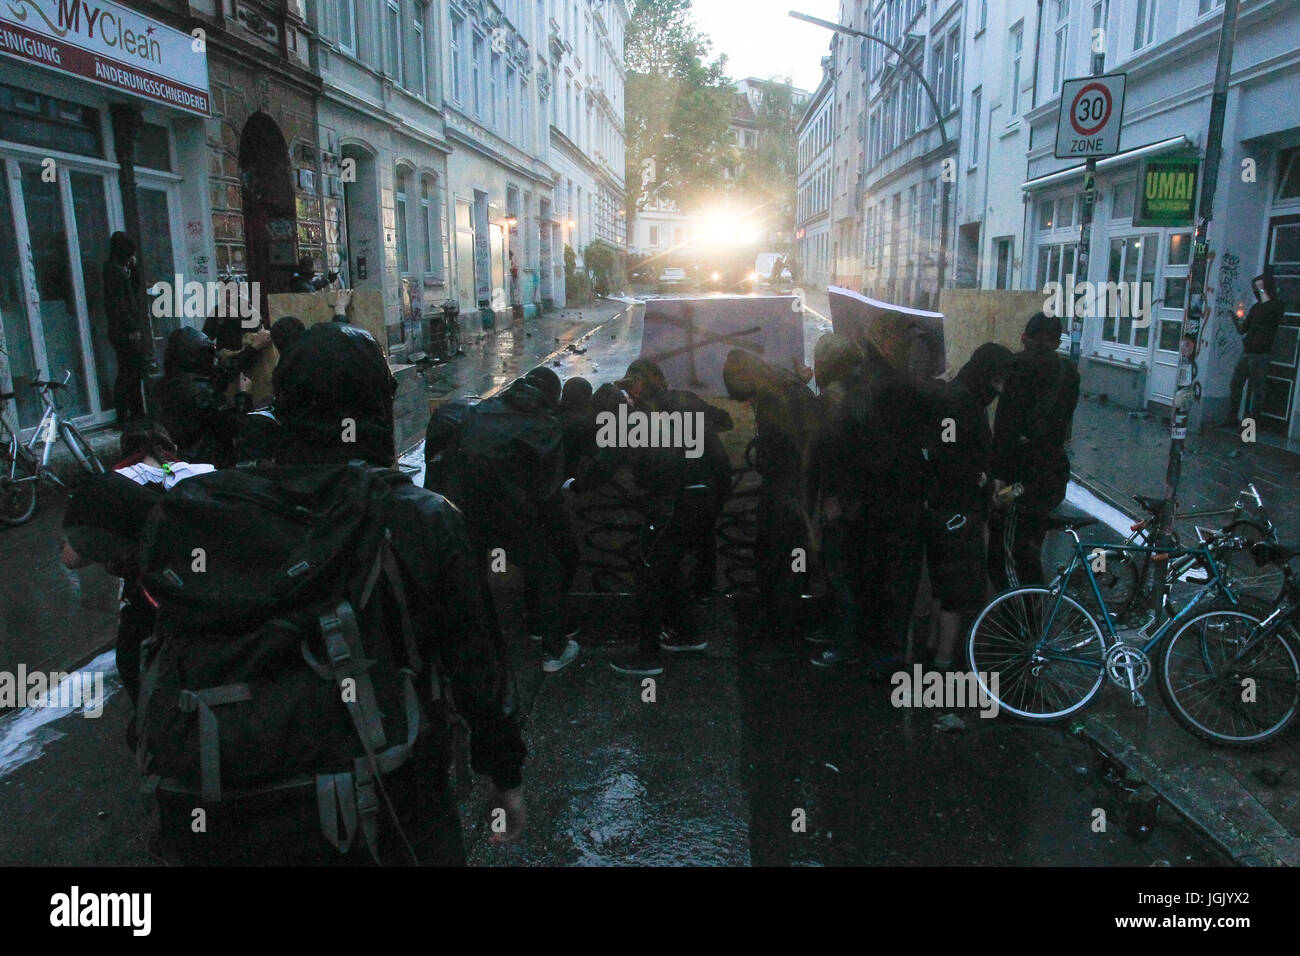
{"x":1138,"y":699}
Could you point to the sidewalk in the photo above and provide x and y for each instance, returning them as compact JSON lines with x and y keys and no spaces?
{"x":1248,"y":803}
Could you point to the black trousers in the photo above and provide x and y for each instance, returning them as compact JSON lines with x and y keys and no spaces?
{"x":128,"y":396}
{"x":779,"y":532}
{"x":1028,"y":529}
{"x":668,"y":540}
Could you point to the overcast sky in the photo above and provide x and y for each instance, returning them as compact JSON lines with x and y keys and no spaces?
{"x":761,"y":40}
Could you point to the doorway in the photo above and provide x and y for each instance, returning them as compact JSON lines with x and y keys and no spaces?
{"x":1283,"y":258}
{"x":270,"y":215}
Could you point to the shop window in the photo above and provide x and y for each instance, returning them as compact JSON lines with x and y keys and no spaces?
{"x":1056,"y":262}
{"x":1178,"y":258}
{"x":34,"y":119}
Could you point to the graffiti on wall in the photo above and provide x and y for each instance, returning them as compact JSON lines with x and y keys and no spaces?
{"x":1225,"y":304}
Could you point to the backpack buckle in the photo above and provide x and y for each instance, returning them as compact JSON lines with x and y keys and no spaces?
{"x":187,"y":701}
{"x":956,"y":522}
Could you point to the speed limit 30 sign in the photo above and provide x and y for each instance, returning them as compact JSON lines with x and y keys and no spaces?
{"x":1089,"y":120}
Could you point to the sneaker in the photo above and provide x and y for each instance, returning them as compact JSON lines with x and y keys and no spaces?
{"x":672,"y":641}
{"x":834,"y":657}
{"x":553,"y":665}
{"x":637,"y":665}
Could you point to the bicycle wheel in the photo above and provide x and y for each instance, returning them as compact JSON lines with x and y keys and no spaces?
{"x":1240,"y":570}
{"x":1040,"y":655}
{"x":80,"y":448}
{"x":17,"y":497}
{"x":1227,"y":688}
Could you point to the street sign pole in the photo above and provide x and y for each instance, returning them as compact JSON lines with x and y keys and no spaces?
{"x":1087,"y":204}
{"x":1187,"y":388}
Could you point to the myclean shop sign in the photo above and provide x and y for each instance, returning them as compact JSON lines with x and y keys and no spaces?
{"x":109,"y":45}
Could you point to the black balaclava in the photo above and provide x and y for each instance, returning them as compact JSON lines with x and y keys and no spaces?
{"x":986,"y":363}
{"x":189,"y":350}
{"x":548,"y":383}
{"x":334,"y":373}
{"x":576,"y":395}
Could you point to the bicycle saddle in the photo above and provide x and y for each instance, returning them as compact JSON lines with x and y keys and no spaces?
{"x":1068,"y":516}
{"x":1150,"y":503}
{"x":1265,"y":552}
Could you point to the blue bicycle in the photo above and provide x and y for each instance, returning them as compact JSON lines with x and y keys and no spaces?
{"x":1044,"y":655}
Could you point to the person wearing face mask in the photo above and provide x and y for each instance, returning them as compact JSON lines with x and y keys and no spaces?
{"x":1258,"y":332}
{"x":958,"y":494}
{"x":192,"y":400}
{"x":128,"y":327}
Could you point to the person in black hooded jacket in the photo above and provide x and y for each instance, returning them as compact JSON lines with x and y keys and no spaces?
{"x":1258,"y":331}
{"x":128,"y":326}
{"x":501,"y":460}
{"x":338,"y":373}
{"x":192,"y":401}
{"x":959,"y":492}
{"x":786,"y":431}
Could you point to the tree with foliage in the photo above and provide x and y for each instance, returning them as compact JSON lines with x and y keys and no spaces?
{"x":770,"y":172}
{"x":678,"y":109}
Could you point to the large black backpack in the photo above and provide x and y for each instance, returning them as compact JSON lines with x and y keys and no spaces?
{"x":273,"y":663}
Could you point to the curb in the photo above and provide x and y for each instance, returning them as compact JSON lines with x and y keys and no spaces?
{"x":1243,"y":848}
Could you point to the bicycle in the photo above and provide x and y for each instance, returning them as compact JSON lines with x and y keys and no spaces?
{"x":1126,"y":579}
{"x":1051,"y":656}
{"x":444,"y":331}
{"x":21,"y":468}
{"x":1248,"y":675}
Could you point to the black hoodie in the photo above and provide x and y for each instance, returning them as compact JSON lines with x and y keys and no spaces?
{"x":1263,"y":319}
{"x":192,"y":400}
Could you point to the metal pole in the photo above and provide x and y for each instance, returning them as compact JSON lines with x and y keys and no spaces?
{"x":1087,"y":204}
{"x":938,"y":117}
{"x":1186,"y":392}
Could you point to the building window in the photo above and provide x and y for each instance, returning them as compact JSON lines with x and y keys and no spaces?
{"x":937,"y":74}
{"x":403,"y":250}
{"x":976,"y":102}
{"x":1205,"y":6}
{"x":1002,"y":260}
{"x":1133,"y":263}
{"x":1144,"y":24}
{"x":512,"y":104}
{"x":1061,"y":60}
{"x":1121,"y":204}
{"x":654,"y":237}
{"x":952,"y":81}
{"x":431,"y":223}
{"x":476,"y":78}
{"x":422,"y":50}
{"x":494,"y":86}
{"x":1017,"y":54}
{"x":347,"y":25}
{"x":1056,"y":262}
{"x":1288,"y":174}
{"x":983,"y":20}
{"x":457,"y":63}
{"x":1178,"y":260}
{"x":393,"y":21}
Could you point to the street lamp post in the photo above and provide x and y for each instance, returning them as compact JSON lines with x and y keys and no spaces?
{"x":938,"y":116}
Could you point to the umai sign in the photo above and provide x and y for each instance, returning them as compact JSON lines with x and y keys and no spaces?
{"x":110,"y":45}
{"x":1167,"y":192}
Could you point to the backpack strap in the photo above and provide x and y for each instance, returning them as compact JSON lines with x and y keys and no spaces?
{"x":209,"y":742}
{"x":342,"y":639}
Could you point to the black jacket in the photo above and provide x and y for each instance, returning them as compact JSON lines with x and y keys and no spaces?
{"x":1032,"y":425}
{"x":124,"y":307}
{"x":192,"y":402}
{"x":1260,"y":327}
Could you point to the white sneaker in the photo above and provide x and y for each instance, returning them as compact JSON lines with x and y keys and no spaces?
{"x":553,"y":665}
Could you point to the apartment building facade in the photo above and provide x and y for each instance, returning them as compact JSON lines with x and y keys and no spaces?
{"x":1168,"y":50}
{"x":816,"y":182}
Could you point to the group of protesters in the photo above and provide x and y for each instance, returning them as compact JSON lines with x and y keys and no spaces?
{"x":869,"y":480}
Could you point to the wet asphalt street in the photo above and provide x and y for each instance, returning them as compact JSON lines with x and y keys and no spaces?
{"x":723,"y":761}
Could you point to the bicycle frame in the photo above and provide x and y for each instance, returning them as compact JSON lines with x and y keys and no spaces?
{"x":1216,"y":585}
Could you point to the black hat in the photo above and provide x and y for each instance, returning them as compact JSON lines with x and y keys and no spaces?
{"x":1041,"y":326}
{"x":645,"y":371}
